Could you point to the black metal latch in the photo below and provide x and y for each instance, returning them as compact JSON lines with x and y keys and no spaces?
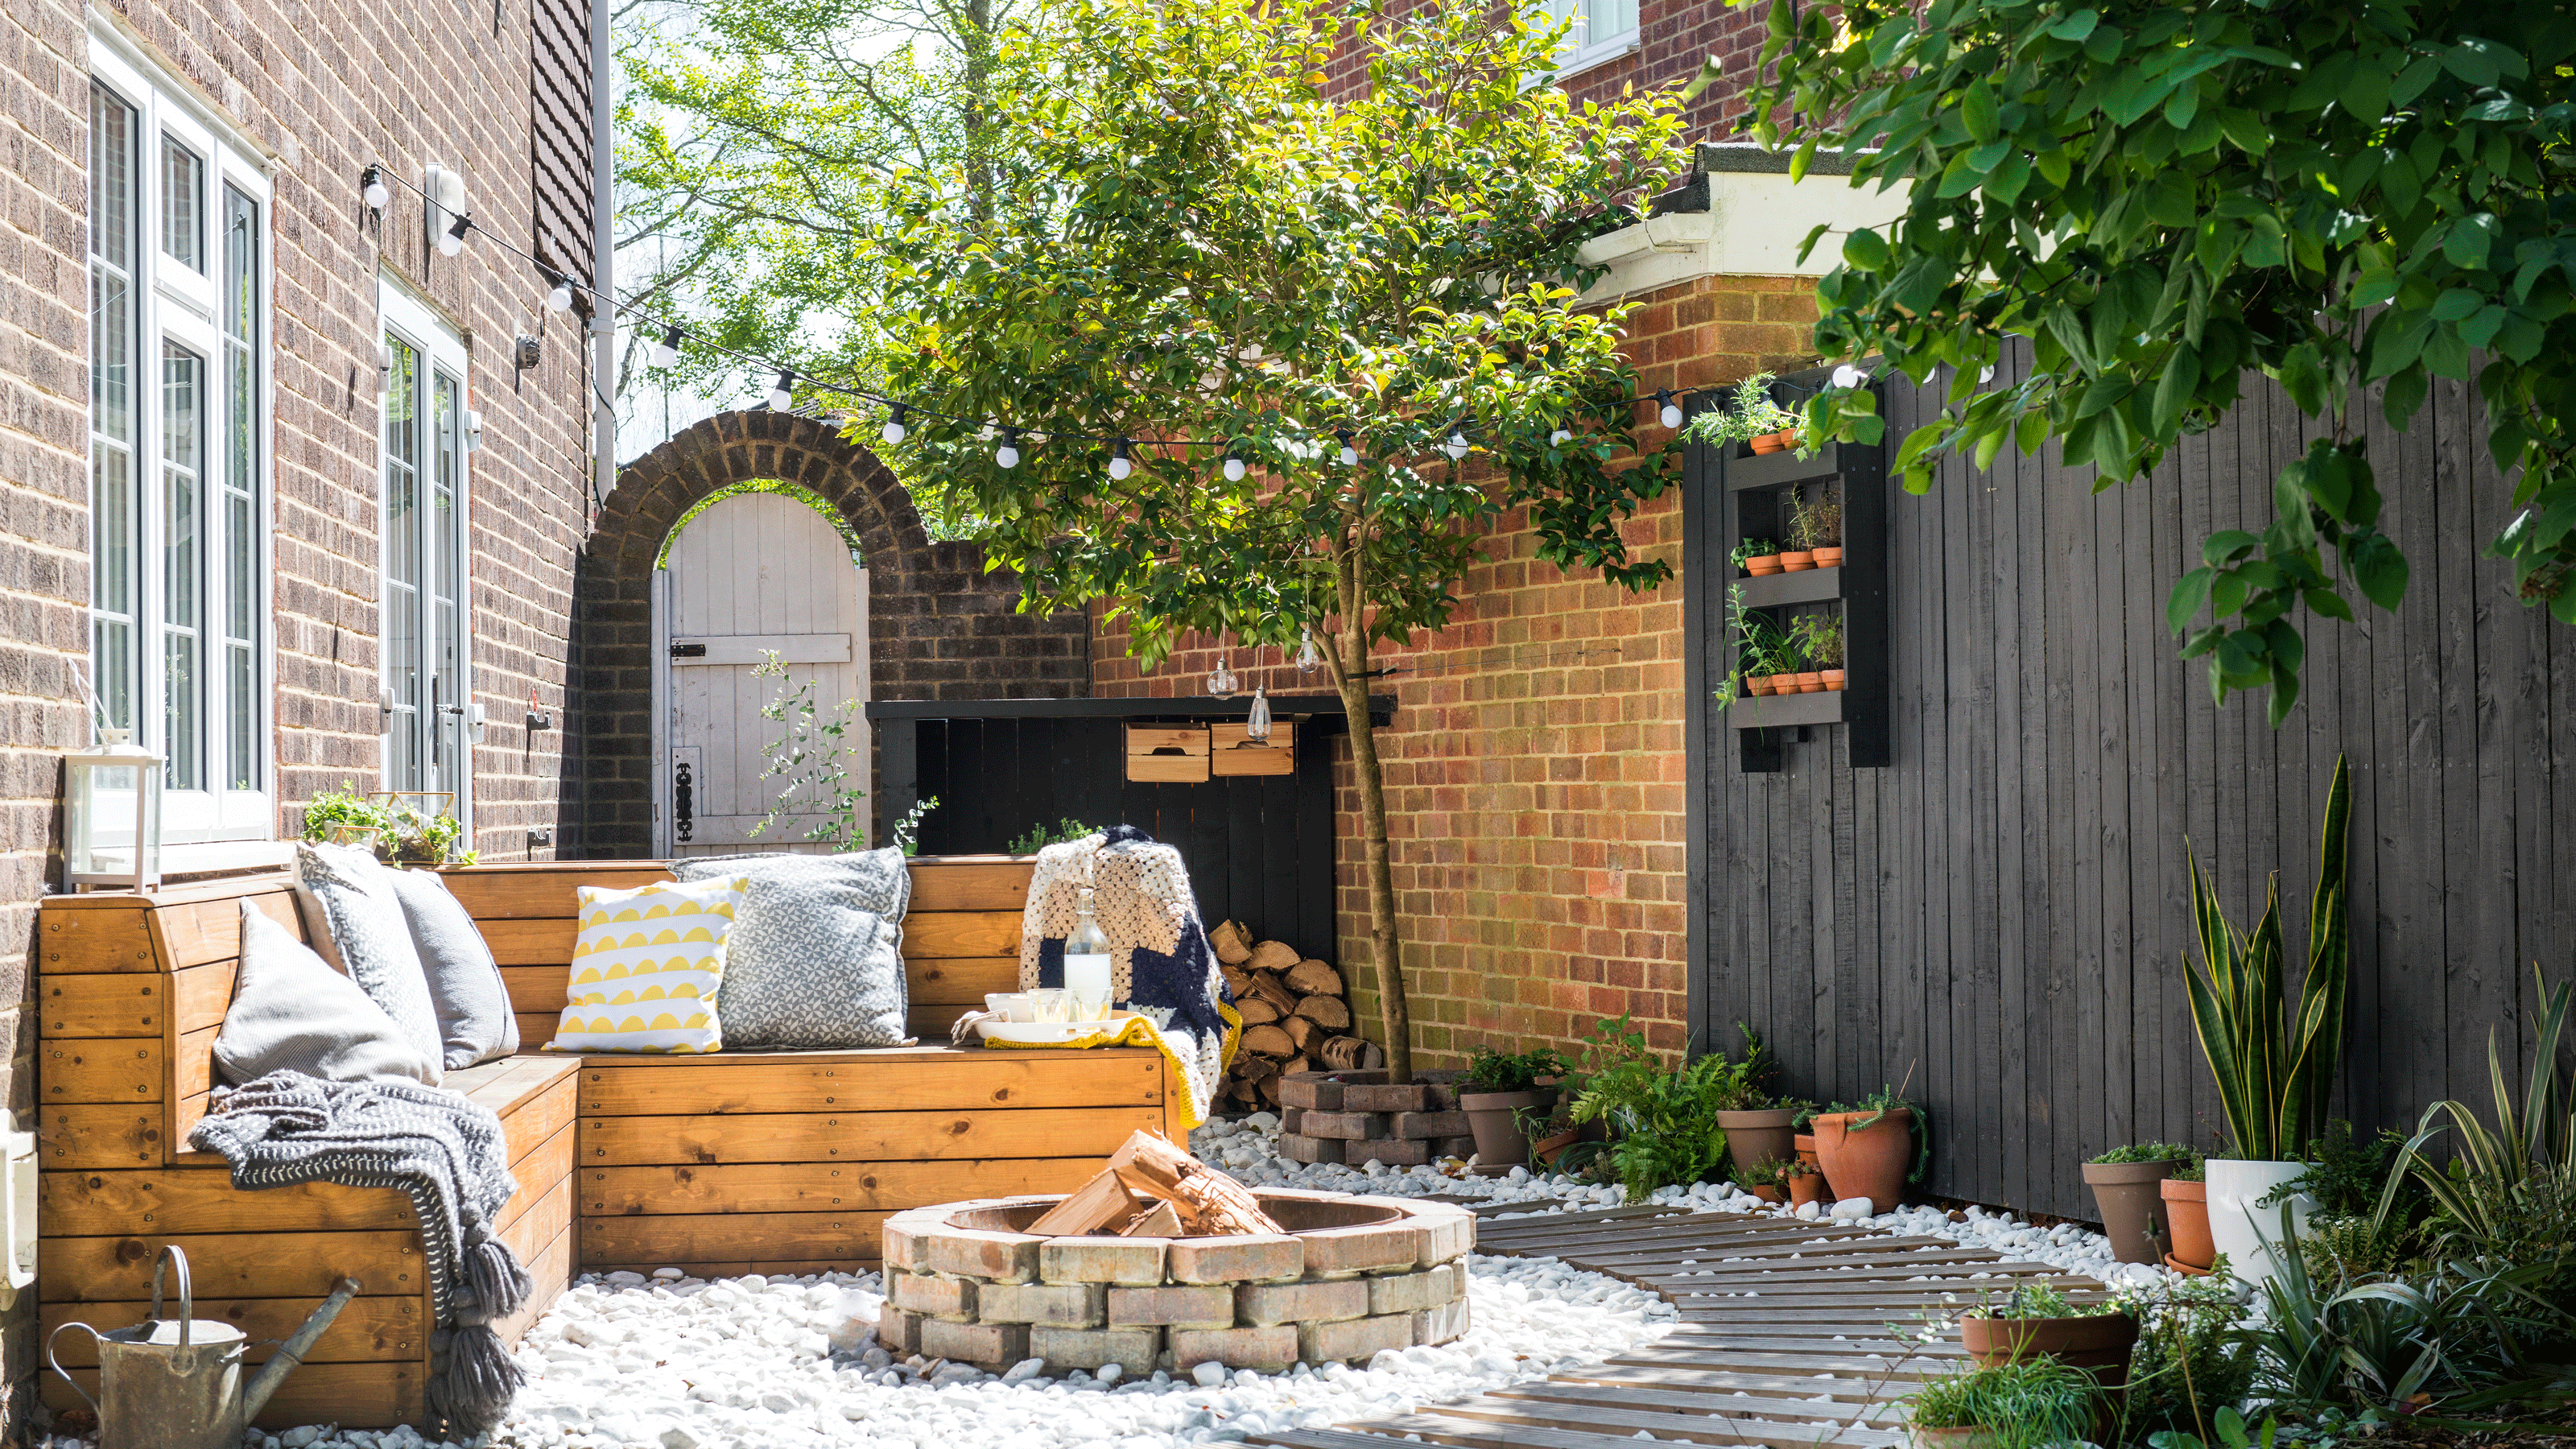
{"x":688,"y":651}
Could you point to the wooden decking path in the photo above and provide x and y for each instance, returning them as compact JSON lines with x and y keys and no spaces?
{"x":1788,"y":1335}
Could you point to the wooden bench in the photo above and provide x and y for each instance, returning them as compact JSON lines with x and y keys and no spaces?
{"x":772,"y":1162}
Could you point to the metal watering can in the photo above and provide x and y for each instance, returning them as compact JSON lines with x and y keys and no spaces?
{"x":177,"y":1383}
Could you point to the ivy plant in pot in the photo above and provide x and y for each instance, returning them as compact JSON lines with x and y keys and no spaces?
{"x":2020,"y":1405}
{"x":2275,"y":1066}
{"x":2037,"y":1321}
{"x":1500,"y":1093}
{"x":2126,"y":1187}
{"x":1864,"y":1148}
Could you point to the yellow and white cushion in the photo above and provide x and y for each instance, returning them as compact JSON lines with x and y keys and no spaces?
{"x":647,"y":966}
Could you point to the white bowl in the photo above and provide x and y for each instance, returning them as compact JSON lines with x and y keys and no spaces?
{"x":1046,"y":1032}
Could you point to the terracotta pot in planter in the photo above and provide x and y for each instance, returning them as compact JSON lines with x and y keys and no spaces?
{"x":1762,"y":563}
{"x":1805,"y":1188}
{"x":1869,"y":1163}
{"x":2187,"y":1214}
{"x":2100,"y":1342}
{"x":1768,"y":1194}
{"x":1810,"y":682}
{"x":1546,"y":1148}
{"x":1499,"y":1142}
{"x":2133,"y":1211}
{"x":1774,"y":442}
{"x":1784,"y":684}
{"x":1804,"y":1144}
{"x":1797,"y":560}
{"x":1828,"y":558}
{"x":1833,"y":678}
{"x":1756,"y":1137}
{"x":1757,"y":684}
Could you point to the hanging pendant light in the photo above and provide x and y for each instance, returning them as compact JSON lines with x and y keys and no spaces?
{"x":1221,"y":681}
{"x":1309,"y":658}
{"x":1256,"y":725}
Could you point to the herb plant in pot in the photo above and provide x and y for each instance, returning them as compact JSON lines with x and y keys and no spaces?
{"x":2037,"y":1321}
{"x":1820,"y":638}
{"x":2186,"y":1203}
{"x":1864,"y":1149}
{"x":2007,"y":1406}
{"x":2125,"y":1187}
{"x":1758,"y":1129}
{"x":2275,"y":1066}
{"x":1752,"y":419}
{"x":1805,"y":1184}
{"x":1816,"y":525}
{"x":1760,"y":649}
{"x":1765,"y":1180}
{"x":1501,"y":1086}
{"x":1758,"y":556}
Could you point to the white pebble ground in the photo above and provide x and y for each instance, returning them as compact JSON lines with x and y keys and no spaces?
{"x":749,"y":1363}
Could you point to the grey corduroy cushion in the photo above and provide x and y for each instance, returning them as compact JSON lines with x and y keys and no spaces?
{"x":356,"y":923}
{"x":291,"y":1012}
{"x":465,"y":987}
{"x":816,"y":956}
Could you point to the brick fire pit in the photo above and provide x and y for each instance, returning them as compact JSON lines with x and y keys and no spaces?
{"x":1351,"y":1276}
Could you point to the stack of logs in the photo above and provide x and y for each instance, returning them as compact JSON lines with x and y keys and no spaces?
{"x":1294,"y":1018}
{"x":1152,"y":1189}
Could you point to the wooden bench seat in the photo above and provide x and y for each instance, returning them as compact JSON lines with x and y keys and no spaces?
{"x":773,"y":1162}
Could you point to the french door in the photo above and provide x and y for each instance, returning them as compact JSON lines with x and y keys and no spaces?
{"x":426,"y":691}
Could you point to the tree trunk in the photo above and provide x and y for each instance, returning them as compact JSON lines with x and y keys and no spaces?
{"x":1351,"y":674}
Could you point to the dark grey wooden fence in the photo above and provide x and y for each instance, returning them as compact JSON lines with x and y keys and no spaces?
{"x":2000,"y":913}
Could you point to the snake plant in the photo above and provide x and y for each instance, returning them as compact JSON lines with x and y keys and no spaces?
{"x":2275,"y":1069}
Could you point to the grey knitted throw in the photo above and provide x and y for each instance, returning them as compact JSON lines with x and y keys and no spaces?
{"x":449,"y":1155}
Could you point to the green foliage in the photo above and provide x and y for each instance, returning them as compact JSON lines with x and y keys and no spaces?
{"x":1817,"y":522}
{"x":1750,"y":413}
{"x":821,"y":758}
{"x":2023,"y":1405}
{"x":2196,"y":1170}
{"x":345,"y":809}
{"x":1752,"y":548}
{"x":1492,"y":1071}
{"x":2148,"y":1152}
{"x":1761,"y":645}
{"x":2039,"y":1300}
{"x":399,"y":832}
{"x":2232,"y":1434}
{"x":1663,"y":1122}
{"x":1741,"y":1090}
{"x":2192,"y":1363}
{"x":2159,"y":199}
{"x":2345,"y":1178}
{"x":1040,"y":837}
{"x":2511,"y":1191}
{"x":907,"y":831}
{"x":1819,"y":638}
{"x":2274,"y":1070}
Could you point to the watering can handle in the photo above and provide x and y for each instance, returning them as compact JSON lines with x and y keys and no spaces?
{"x":187,"y":1302}
{"x":65,"y":1374}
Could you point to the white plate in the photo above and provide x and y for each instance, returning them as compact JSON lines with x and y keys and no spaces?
{"x":1044,"y":1032}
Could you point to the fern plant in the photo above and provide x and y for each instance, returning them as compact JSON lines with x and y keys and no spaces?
{"x":1663,"y":1122}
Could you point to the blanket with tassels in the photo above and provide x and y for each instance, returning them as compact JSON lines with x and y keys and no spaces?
{"x":449,"y":1155}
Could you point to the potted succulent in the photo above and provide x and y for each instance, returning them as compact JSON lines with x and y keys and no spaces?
{"x":1820,"y":638}
{"x":1501,"y":1094}
{"x":1816,"y":525}
{"x":2186,"y":1202}
{"x":2126,"y":1187}
{"x":1805,"y":1184}
{"x":1757,"y":556}
{"x":2036,"y":1321}
{"x":2006,"y":1406}
{"x":1764,"y":1180}
{"x":1864,"y":1148}
{"x":2275,"y":1065}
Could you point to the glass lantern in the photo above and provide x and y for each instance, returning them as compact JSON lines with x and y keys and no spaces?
{"x":112,"y":815}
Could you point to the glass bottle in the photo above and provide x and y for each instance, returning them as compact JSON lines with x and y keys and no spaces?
{"x":1086,"y":964}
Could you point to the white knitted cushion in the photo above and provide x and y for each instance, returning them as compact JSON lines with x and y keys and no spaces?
{"x":647,"y":965}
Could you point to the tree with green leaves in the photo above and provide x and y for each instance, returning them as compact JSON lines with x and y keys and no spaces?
{"x":2161,"y":197}
{"x":1268,"y":365}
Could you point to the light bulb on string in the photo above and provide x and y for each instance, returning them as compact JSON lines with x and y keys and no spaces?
{"x":667,"y":351}
{"x":1119,"y":463}
{"x":1456,"y":447}
{"x":452,"y":240}
{"x":1559,"y":438}
{"x":371,"y":185}
{"x":1221,"y":681}
{"x":1350,"y":454}
{"x":892,"y":432}
{"x":1309,"y":658}
{"x":782,"y":393}
{"x":560,"y":298}
{"x":1007,"y":456}
{"x":1670,"y":413}
{"x":1256,"y":723}
{"x":1847,"y":376}
{"x":1234,"y":465}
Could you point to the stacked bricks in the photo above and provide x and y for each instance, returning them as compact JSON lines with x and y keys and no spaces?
{"x":1359,"y":1117}
{"x":992,"y":1298}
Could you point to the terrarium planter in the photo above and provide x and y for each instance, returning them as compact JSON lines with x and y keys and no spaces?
{"x":1811,"y":682}
{"x":1833,"y":678}
{"x":2100,"y":1342}
{"x":1828,"y":558}
{"x":1756,"y":1137}
{"x":1805,"y":1188}
{"x":1797,"y":560}
{"x":1499,"y":1142}
{"x":1869,"y":1162}
{"x":1762,"y":563}
{"x":2187,"y":1214}
{"x":1780,"y":441}
{"x":2240,"y":1229}
{"x":2133,"y":1210}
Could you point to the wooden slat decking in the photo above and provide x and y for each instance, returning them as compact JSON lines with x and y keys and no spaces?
{"x":1788,"y":1335}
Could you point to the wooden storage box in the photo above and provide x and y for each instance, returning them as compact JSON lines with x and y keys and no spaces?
{"x":1167,"y":754}
{"x":1231,"y":751}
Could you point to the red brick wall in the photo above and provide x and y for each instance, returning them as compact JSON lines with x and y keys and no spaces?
{"x":1534,"y":770}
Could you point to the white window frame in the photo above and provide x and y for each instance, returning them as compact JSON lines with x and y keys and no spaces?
{"x":441,"y":345}
{"x":1580,"y":51}
{"x":176,"y":305}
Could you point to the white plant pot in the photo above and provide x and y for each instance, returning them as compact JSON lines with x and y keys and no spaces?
{"x":2244,"y":1232}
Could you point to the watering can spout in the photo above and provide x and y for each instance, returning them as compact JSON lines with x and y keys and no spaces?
{"x":291,"y":1354}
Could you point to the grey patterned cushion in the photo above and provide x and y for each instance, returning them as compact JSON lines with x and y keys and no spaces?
{"x":290,"y":1012}
{"x":465,"y":988}
{"x":816,"y":957}
{"x":356,"y":922}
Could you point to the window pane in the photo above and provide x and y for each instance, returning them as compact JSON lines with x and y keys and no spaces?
{"x":183,"y":563}
{"x":447,"y":745}
{"x":183,"y":205}
{"x":113,"y":476}
{"x":1606,"y":20}
{"x":240,"y":548}
{"x":402,"y":560}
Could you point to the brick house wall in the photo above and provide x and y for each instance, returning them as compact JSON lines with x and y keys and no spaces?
{"x":1534,"y":769}
{"x":319,"y":90}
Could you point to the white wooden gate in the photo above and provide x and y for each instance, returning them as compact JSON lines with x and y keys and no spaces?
{"x":752,"y":573}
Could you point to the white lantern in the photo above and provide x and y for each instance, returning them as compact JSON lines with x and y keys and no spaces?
{"x":112,"y":815}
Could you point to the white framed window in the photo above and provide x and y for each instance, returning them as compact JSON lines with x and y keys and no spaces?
{"x":427,"y":691}
{"x":1601,"y":30}
{"x":180,"y":642}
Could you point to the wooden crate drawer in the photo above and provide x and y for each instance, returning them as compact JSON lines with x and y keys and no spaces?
{"x":1167,"y":754}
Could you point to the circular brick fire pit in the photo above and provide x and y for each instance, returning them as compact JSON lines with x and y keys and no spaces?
{"x":1351,"y":1276}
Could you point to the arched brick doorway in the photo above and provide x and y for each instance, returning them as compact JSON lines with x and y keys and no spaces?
{"x":939,"y":626}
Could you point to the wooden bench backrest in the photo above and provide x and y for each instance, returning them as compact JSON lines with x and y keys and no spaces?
{"x":132,"y":988}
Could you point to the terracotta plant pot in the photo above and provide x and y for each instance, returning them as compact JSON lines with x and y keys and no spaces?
{"x":1828,"y":558}
{"x":1833,"y":679}
{"x":1762,"y":563}
{"x":2185,"y":1269}
{"x":1805,"y":1188}
{"x":1784,"y":684}
{"x":1797,"y":561}
{"x":1869,"y":1163}
{"x":1756,"y":1137}
{"x":2133,"y":1211}
{"x":1804,"y":1144}
{"x":1810,"y":682}
{"x":2187,"y":1214}
{"x":1757,"y":684}
{"x":1546,"y":1148}
{"x":1774,"y":442}
{"x":1499,"y":1142}
{"x":2100,"y":1342}
{"x":1769,"y":1194}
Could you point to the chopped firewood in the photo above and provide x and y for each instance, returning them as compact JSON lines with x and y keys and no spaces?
{"x":1208,"y":1201}
{"x":1270,"y":1090}
{"x":1272,"y":956}
{"x":1267,"y":987}
{"x":1330,"y":1012}
{"x":1268,"y":1041}
{"x":1229,"y":941}
{"x":1343,"y":1053}
{"x":1255,"y":1011}
{"x":1097,"y":1205}
{"x":1252,"y":1069}
{"x":1308,"y":978}
{"x":1159,"y":1222}
{"x":1294,"y":1065}
{"x":1303,"y":1030}
{"x":1237,"y":980}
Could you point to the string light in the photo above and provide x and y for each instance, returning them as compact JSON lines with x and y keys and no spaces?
{"x":667,"y":351}
{"x":892,"y":432}
{"x":452,"y":240}
{"x":1456,"y":447}
{"x":1007,"y":456}
{"x":1847,"y":376}
{"x":560,"y":299}
{"x":1221,"y":681}
{"x":1119,"y":466}
{"x":371,"y":185}
{"x":1234,"y":466}
{"x":782,"y":393}
{"x":1308,"y":658}
{"x":1671,"y":411}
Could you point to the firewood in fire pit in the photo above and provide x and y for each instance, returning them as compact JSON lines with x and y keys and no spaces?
{"x":1208,"y":1201}
{"x":1099,"y":1205}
